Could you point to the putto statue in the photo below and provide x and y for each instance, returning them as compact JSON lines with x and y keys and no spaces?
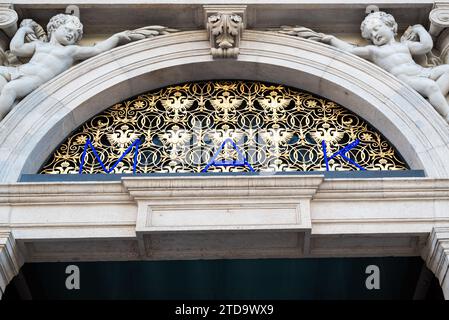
{"x":53,"y":54}
{"x":393,"y":56}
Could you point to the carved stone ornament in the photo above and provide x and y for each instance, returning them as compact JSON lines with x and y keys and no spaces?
{"x":380,"y":28}
{"x":34,"y":52}
{"x":225,"y":30}
{"x":439,"y":23}
{"x":8,"y":21}
{"x":439,"y":20}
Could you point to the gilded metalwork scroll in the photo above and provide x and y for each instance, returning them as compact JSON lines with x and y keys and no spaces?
{"x":277,"y":128}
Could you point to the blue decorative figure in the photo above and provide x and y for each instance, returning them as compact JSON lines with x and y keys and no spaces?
{"x":228,"y":163}
{"x":342,"y":154}
{"x":88,"y":143}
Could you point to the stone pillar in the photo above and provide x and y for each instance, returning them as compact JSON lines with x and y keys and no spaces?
{"x":436,"y":255}
{"x":10,"y":259}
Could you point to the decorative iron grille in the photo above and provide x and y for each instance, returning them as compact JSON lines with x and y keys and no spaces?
{"x":276,"y":128}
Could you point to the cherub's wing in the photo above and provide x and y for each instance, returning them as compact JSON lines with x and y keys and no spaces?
{"x":149,"y":32}
{"x":3,"y":58}
{"x":38,"y":33}
{"x":299,"y":31}
{"x":427,"y":60}
{"x":409,"y":35}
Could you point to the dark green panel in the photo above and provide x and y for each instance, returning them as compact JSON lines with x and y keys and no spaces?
{"x":330,"y":278}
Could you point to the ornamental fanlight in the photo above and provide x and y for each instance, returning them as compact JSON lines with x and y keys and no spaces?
{"x":224,"y":126}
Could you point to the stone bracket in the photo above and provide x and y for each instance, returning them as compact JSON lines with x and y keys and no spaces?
{"x":225,"y":25}
{"x":436,"y":255}
{"x":11,"y":259}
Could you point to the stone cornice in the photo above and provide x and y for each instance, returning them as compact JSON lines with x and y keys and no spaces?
{"x":232,"y":187}
{"x":316,"y":186}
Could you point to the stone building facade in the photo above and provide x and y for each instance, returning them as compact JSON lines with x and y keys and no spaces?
{"x":47,"y":218}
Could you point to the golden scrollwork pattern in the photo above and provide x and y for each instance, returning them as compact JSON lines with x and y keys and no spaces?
{"x":276,"y":128}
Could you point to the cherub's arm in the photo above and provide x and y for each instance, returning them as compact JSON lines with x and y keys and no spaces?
{"x":425,"y":43}
{"x":18,"y":46}
{"x":82,"y":53}
{"x":363,"y":52}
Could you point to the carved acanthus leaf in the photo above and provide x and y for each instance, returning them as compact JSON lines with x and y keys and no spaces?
{"x":224,"y":33}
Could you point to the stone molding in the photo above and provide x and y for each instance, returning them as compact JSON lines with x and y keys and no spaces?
{"x":40,"y":121}
{"x":75,"y":210}
{"x":436,"y":255}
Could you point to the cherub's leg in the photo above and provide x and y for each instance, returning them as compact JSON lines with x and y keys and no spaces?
{"x":431,"y":90}
{"x":441,"y":75}
{"x":4,"y":74}
{"x":15,"y":89}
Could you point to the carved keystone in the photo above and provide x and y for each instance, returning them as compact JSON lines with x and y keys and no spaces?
{"x":225,"y":25}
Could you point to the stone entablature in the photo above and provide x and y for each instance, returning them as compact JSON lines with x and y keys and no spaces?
{"x":227,"y":217}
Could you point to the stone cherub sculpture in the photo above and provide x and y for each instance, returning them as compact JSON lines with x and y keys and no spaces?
{"x":395,"y":57}
{"x":53,"y":55}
